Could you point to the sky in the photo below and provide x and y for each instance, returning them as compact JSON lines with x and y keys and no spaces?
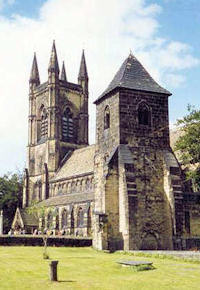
{"x":163,"y":34}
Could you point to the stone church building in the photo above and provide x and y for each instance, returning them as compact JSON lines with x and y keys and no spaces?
{"x":127,"y":190}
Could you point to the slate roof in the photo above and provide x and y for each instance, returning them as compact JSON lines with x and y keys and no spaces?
{"x":80,"y":162}
{"x":28,"y":219}
{"x":125,"y":154}
{"x":132,"y":75}
{"x":67,"y":198}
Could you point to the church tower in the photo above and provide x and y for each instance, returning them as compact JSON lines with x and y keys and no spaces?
{"x":138,"y":195}
{"x":58,"y":124}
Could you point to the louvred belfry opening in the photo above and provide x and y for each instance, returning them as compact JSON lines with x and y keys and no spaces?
{"x":67,"y":126}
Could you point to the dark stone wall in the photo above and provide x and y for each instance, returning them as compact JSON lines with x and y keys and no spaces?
{"x":131,"y":132}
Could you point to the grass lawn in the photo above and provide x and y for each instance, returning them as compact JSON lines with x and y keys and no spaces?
{"x":85,"y":268}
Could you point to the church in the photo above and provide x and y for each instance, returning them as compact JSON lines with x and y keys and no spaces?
{"x":126,"y":191}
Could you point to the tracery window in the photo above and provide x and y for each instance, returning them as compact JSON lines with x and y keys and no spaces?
{"x":67,"y":126}
{"x":106,"y":118}
{"x":80,"y":217}
{"x":144,"y":115}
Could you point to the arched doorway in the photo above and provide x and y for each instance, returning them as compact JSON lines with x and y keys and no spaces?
{"x":149,"y":242}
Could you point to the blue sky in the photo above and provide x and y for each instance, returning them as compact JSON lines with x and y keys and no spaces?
{"x":163,"y":34}
{"x":28,"y":8}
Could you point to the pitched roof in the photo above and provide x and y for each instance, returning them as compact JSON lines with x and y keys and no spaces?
{"x":80,"y":162}
{"x":132,"y":75}
{"x":23,"y":218}
{"x":67,"y":199}
{"x":28,"y":219}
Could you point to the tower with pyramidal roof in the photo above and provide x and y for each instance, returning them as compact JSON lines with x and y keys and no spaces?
{"x":134,"y":165}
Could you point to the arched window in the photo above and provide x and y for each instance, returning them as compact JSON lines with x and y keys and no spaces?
{"x":40,"y":191}
{"x":72,"y":221}
{"x":144,"y":115}
{"x":64,"y":219}
{"x":80,"y":217}
{"x":107,"y":118}
{"x":49,"y":220}
{"x":67,"y":126}
{"x":57,"y":222}
{"x":42,"y":124}
{"x":89,"y":221}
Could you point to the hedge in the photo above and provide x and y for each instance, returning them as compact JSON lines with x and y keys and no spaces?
{"x":29,"y":240}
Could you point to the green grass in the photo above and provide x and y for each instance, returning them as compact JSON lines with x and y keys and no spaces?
{"x":83,"y":268}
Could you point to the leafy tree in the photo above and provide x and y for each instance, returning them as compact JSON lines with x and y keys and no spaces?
{"x":11,"y":187}
{"x":188,"y":145}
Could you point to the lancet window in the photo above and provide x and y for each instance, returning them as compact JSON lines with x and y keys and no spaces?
{"x":107,"y":118}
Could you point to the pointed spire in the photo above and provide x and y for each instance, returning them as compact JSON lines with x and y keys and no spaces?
{"x":53,"y":63}
{"x":83,"y":75}
{"x":34,"y":77}
{"x":63,"y":73}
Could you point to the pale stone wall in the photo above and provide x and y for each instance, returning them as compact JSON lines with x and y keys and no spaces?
{"x":55,"y":96}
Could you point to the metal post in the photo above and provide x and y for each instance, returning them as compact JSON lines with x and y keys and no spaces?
{"x":53,"y":270}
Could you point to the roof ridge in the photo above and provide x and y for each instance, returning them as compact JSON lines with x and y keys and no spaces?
{"x":126,"y":61}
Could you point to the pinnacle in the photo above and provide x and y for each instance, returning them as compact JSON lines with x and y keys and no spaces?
{"x":63,"y":73}
{"x":53,"y":63}
{"x":34,"y":77}
{"x":83,"y":68}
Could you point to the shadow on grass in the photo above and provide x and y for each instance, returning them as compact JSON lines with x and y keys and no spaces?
{"x":80,"y":257}
{"x":66,"y":281}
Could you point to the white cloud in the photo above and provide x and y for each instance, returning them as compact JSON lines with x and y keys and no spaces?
{"x":175,"y":79}
{"x":106,"y":29}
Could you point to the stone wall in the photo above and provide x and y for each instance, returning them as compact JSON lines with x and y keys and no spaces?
{"x":55,"y":98}
{"x":135,"y":134}
{"x":149,"y":203}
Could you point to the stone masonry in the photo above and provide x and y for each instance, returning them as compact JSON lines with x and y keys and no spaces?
{"x":127,"y":190}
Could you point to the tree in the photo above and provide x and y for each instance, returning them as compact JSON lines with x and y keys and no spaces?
{"x":188,"y":145}
{"x":40,"y":212}
{"x":11,"y":187}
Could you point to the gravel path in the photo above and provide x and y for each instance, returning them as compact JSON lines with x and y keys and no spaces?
{"x":180,"y":254}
